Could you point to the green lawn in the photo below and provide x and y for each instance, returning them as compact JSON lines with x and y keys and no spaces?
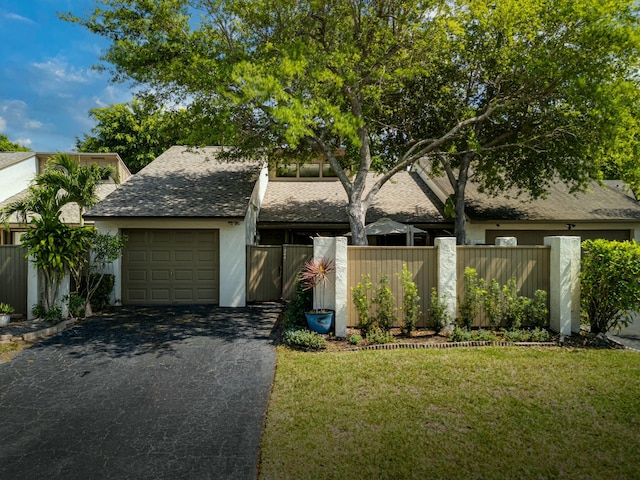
{"x":454,"y":414}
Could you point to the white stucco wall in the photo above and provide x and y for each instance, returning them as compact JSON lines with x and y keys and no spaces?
{"x":17,"y":177}
{"x":251,"y":219}
{"x":476,"y":232}
{"x":232,"y":252}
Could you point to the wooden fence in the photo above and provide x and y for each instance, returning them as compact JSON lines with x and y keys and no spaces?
{"x":272,"y":270}
{"x":379,"y":261}
{"x":529,"y":265}
{"x":13,"y":277}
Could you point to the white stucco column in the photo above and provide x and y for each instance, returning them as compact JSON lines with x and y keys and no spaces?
{"x":564,"y":297}
{"x":33,"y":287}
{"x":335,"y":295}
{"x":506,"y":241}
{"x":447,"y":276}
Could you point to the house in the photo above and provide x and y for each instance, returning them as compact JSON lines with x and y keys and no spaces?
{"x":189,"y":217}
{"x":17,"y":170}
{"x":297,"y":208}
{"x":608,"y":211}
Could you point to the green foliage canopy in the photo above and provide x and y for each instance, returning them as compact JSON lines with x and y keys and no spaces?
{"x":515,"y":93}
{"x":7,"y":145}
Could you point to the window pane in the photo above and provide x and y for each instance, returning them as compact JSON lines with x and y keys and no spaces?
{"x":310,"y":170}
{"x":327,"y":171}
{"x":290,"y":170}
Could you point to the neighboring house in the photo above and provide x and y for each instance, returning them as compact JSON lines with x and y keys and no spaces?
{"x":608,"y":211}
{"x":17,"y":170}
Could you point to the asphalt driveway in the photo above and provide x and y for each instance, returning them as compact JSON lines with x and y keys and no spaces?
{"x":162,"y":393}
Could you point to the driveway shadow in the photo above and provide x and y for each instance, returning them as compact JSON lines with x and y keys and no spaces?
{"x":134,"y":331}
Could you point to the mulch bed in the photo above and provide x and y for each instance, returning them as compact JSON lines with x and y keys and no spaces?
{"x":429,"y":338}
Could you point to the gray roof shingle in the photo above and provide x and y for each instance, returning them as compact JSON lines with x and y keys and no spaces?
{"x":9,"y":158}
{"x":405,"y":198}
{"x":600,"y":203}
{"x":183,"y":182}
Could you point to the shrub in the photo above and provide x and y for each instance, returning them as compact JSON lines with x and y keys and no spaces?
{"x":438,"y":317}
{"x":379,"y":336}
{"x":361,"y":299}
{"x":75,"y":303}
{"x":101,"y":297}
{"x":610,"y":283}
{"x":517,"y":335}
{"x":301,"y":303}
{"x":493,"y":304}
{"x":540,"y":335}
{"x":473,"y":295}
{"x":483,"y":336}
{"x":410,"y":301}
{"x":460,"y":334}
{"x":514,"y":306}
{"x":304,"y":339}
{"x":537,"y":311}
{"x":385,"y":301}
{"x":355,"y":339}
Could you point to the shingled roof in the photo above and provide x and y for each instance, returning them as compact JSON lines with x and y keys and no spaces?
{"x":185,"y":183}
{"x":405,"y":198}
{"x":9,"y":158}
{"x":611,"y":202}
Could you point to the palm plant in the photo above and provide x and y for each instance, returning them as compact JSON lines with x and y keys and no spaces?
{"x":73,"y":181}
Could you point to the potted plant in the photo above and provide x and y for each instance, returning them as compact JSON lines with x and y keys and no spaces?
{"x":5,"y":314}
{"x":315,"y":274}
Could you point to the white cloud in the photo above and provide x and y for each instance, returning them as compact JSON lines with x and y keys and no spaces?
{"x":15,"y":116}
{"x":18,"y":18}
{"x":3,"y":124}
{"x":33,"y":125}
{"x":59,"y":70}
{"x":25,"y":142}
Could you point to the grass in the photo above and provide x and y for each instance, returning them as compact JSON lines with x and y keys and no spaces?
{"x":462,"y":413}
{"x":10,"y":350}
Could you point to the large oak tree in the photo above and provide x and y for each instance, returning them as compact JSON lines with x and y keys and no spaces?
{"x":514,"y":93}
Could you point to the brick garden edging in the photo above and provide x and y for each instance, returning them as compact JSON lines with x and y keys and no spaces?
{"x":443,"y":345}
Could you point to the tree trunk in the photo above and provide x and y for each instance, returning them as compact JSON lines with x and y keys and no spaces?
{"x":459,"y":189}
{"x":357,"y":214}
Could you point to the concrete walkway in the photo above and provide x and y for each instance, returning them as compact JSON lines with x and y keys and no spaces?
{"x":175,"y":393}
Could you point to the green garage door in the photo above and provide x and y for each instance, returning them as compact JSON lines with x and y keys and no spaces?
{"x":164,"y":267}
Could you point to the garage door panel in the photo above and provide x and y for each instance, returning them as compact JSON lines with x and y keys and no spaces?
{"x":162,"y":256}
{"x":184,"y":256}
{"x":184,"y":275}
{"x":136,"y":275}
{"x":171,"y":266}
{"x":158,"y":275}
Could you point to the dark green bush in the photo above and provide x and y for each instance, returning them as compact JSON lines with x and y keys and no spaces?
{"x":101,"y":299}
{"x":361,"y":296}
{"x":438,"y":317}
{"x":410,"y":301}
{"x":301,"y":303}
{"x":386,"y":304}
{"x":610,"y":283}
{"x":355,"y":339}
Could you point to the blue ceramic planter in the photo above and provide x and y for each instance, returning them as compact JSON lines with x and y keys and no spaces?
{"x":320,"y":322}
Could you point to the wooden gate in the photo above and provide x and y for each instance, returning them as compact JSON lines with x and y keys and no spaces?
{"x":272,"y":270}
{"x":13,"y":277}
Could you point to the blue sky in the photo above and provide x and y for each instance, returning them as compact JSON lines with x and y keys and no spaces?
{"x":47,"y":85}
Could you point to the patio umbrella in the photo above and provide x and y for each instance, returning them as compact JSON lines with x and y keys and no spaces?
{"x":386,"y":226}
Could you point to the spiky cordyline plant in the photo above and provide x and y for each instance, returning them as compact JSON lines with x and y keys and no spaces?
{"x":315,"y":273}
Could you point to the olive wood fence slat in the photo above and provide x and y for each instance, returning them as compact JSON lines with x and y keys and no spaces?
{"x":529,"y":265}
{"x":13,"y":277}
{"x":379,"y":261}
